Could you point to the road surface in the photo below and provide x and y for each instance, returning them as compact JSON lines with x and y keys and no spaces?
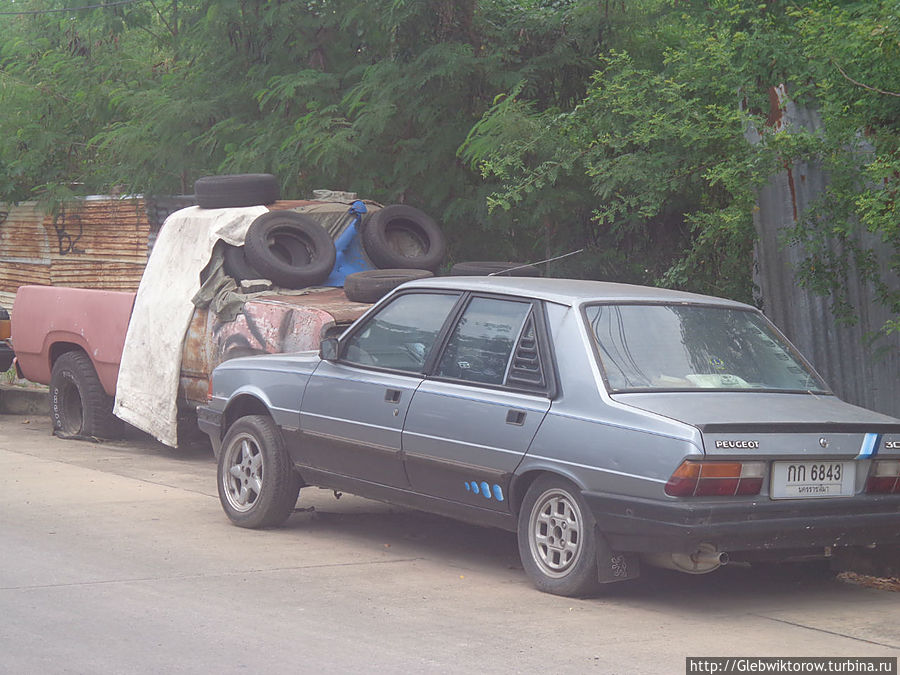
{"x":117,"y":558}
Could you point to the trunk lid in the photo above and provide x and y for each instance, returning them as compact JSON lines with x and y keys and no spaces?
{"x":775,"y":424}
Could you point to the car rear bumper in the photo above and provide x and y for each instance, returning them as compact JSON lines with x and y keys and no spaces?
{"x":652,"y":526}
{"x":210,"y":423}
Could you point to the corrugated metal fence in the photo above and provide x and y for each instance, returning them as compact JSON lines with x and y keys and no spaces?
{"x":859,"y":371}
{"x":96,"y":242}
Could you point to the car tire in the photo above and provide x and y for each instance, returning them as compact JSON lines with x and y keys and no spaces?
{"x":79,"y":407}
{"x":258,"y":486}
{"x":495,"y":268}
{"x":6,"y":356}
{"x":290,"y":249}
{"x":236,"y":190}
{"x":372,"y":285}
{"x":403,"y":237}
{"x":236,"y":266}
{"x":558,"y":538}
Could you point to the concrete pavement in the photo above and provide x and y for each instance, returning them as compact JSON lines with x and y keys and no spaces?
{"x":117,"y":558}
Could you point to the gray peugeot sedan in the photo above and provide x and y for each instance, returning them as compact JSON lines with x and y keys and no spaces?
{"x":608,"y":425}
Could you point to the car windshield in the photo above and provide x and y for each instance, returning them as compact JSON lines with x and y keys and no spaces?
{"x":686,"y":347}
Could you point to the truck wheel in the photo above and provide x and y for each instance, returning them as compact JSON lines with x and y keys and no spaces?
{"x":557,"y":538}
{"x":236,"y":190}
{"x":403,"y":237}
{"x":258,"y":486}
{"x":372,"y":285}
{"x":290,"y":249}
{"x":78,"y":404}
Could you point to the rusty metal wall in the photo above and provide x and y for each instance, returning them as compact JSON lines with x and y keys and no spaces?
{"x":863,"y":373}
{"x":104,"y":242}
{"x":99,"y":242}
{"x":24,"y":250}
{"x":96,"y":242}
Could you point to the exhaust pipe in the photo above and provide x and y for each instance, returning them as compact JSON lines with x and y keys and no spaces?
{"x":702,"y":561}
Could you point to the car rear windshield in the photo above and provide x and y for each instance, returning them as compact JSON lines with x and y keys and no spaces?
{"x":688,"y":347}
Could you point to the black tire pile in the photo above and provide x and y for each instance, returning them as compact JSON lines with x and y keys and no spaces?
{"x":294,"y":251}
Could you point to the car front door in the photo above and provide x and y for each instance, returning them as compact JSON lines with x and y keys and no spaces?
{"x":471,"y":422}
{"x":354,"y":408}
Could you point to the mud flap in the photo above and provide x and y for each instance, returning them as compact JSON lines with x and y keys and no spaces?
{"x":614,"y":565}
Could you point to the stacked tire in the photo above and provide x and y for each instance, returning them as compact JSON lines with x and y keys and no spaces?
{"x":405,"y":243}
{"x":403,"y":237}
{"x":372,"y":285}
{"x":289,"y":248}
{"x":294,"y":251}
{"x":236,"y":190}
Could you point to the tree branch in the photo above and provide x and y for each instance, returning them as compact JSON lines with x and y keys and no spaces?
{"x":162,"y":18}
{"x":864,"y":86}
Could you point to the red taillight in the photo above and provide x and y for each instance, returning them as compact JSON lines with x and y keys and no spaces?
{"x":884,"y":477}
{"x":716,"y":479}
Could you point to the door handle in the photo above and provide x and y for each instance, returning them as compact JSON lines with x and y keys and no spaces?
{"x":516,"y":417}
{"x":393,"y":395}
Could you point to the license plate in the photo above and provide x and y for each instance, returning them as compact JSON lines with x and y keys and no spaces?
{"x":808,"y":480}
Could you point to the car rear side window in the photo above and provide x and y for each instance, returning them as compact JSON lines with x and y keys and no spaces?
{"x":401,"y":335}
{"x":482,"y":342}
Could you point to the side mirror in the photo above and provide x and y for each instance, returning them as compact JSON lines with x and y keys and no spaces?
{"x":328,"y":349}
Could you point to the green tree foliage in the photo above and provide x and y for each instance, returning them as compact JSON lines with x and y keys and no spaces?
{"x":374,"y":97}
{"x":529,"y":128}
{"x":54,"y":77}
{"x":854,"y":51}
{"x":394,"y":120}
{"x":660,"y":141}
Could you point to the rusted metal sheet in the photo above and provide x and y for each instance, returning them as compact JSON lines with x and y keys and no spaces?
{"x":97,"y":242}
{"x":290,"y":204}
{"x":273,"y":324}
{"x":15,"y":274}
{"x":332,"y":301}
{"x":195,"y":360}
{"x":96,"y":273}
{"x":265,"y":325}
{"x":107,"y":229}
{"x":22,"y":234}
{"x":860,"y":371}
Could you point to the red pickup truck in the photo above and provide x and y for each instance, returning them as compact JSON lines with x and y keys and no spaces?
{"x":72,"y":339}
{"x":102,"y":351}
{"x":6,"y":352}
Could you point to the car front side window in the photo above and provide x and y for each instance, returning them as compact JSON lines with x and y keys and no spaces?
{"x":400,"y":335}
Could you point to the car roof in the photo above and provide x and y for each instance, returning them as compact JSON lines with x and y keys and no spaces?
{"x":570,"y":292}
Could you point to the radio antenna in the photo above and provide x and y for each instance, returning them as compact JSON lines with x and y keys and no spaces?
{"x":539,"y":262}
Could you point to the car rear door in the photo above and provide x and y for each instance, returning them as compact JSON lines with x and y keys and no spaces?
{"x":354,"y":408}
{"x":471,"y":422}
